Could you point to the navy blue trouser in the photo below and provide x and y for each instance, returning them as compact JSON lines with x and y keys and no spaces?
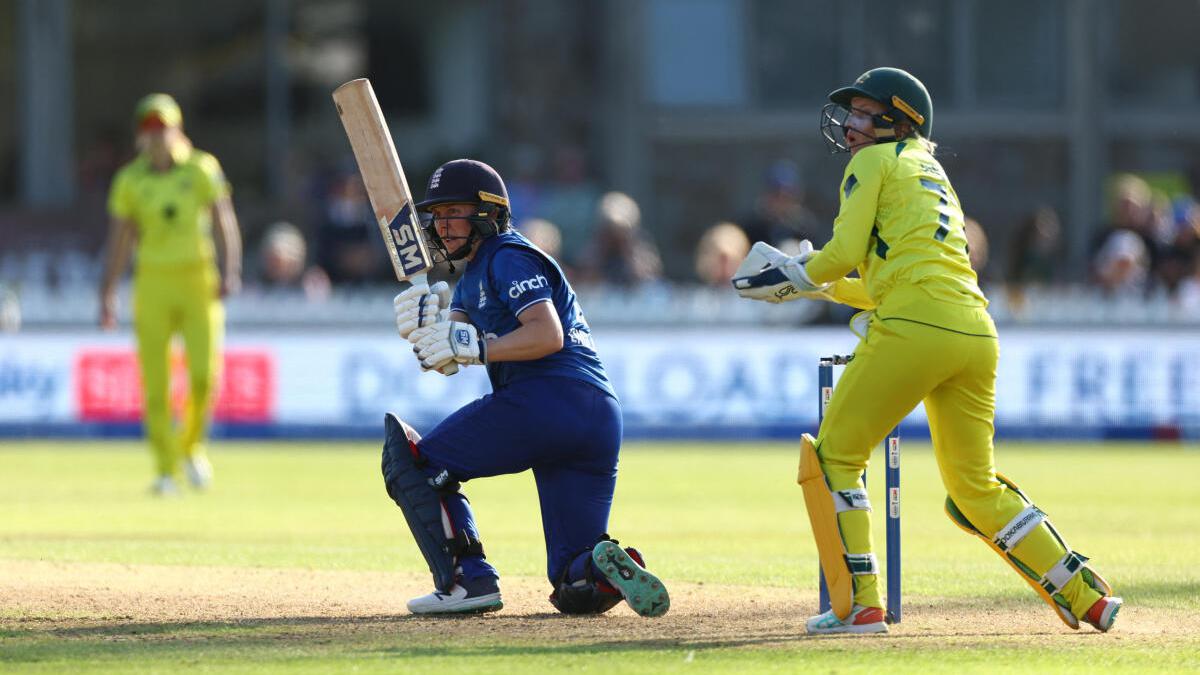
{"x":567,"y":431}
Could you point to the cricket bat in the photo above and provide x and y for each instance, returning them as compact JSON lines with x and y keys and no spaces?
{"x":387,"y":188}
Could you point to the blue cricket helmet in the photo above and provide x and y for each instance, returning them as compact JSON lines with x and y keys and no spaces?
{"x":466,"y":181}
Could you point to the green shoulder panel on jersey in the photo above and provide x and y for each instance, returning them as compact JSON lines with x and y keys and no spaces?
{"x":865,"y":176}
{"x":849,"y":185}
{"x":870,"y":166}
{"x":881,"y":247}
{"x":879,"y":157}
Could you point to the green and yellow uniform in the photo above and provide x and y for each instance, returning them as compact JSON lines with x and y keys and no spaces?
{"x":175,"y":289}
{"x":930,"y":339}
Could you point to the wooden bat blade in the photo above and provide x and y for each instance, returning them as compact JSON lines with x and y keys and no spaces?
{"x":383,"y":176}
{"x":386,"y":185}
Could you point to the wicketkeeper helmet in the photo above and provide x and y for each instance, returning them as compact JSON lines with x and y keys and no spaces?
{"x":902,"y":93}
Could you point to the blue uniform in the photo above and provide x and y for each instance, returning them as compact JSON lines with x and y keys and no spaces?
{"x":557,"y":415}
{"x":509,"y":275}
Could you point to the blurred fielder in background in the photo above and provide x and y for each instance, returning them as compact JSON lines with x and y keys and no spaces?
{"x":928,"y":337}
{"x":166,"y":203}
{"x":552,"y":410}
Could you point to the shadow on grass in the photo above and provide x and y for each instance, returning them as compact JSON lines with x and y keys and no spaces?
{"x":407,"y":637}
{"x":36,"y":639}
{"x":381,"y":636}
{"x":1160,"y":592}
{"x":1150,"y":593}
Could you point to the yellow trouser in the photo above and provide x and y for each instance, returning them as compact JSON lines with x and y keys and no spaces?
{"x":164,"y":304}
{"x":896,"y":366}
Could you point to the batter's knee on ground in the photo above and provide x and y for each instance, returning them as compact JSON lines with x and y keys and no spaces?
{"x":598,"y":578}
{"x":581,"y":589}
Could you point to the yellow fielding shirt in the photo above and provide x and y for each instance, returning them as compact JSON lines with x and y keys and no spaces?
{"x":901,"y":225}
{"x":172,"y":210}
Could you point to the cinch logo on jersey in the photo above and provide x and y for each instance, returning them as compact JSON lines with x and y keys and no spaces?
{"x":519,"y":287}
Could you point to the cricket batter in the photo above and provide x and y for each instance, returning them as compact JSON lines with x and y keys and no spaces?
{"x":169,"y":202}
{"x":552,"y":410}
{"x":929,"y":338}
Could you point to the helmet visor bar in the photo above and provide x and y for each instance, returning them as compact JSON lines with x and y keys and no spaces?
{"x":833,"y":127}
{"x":439,"y":246}
{"x":433,"y":241}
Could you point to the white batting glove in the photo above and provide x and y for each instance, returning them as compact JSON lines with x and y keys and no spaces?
{"x":421,"y":305}
{"x":451,"y":341}
{"x":771,"y":275}
{"x":446,"y":367}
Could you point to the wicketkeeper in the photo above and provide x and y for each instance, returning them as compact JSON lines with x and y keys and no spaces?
{"x":552,"y":410}
{"x":929,"y":338}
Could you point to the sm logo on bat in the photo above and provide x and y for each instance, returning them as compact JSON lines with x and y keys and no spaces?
{"x":406,"y":243}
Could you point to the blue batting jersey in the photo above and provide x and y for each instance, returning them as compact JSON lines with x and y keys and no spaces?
{"x":507,"y":275}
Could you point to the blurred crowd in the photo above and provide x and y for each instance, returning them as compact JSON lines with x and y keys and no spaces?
{"x":1149,"y":244}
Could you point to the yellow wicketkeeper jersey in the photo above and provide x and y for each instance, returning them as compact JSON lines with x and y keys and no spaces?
{"x":900,"y":224}
{"x":172,"y":209}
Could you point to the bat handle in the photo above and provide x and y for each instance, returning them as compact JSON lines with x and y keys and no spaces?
{"x":450,"y":368}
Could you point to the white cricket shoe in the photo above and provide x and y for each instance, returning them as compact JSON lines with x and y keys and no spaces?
{"x":199,"y":471}
{"x":468,"y":596}
{"x":861,"y":620}
{"x":164,"y":486}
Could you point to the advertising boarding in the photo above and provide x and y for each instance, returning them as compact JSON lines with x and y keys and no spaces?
{"x":681,"y":384}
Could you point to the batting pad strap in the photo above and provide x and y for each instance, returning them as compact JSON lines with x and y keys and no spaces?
{"x":855,"y":499}
{"x":464,"y":546}
{"x":861,"y":564}
{"x":1018,"y":528}
{"x":1058,"y":576}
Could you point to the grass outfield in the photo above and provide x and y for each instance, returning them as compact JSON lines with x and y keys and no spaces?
{"x":297,"y":560}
